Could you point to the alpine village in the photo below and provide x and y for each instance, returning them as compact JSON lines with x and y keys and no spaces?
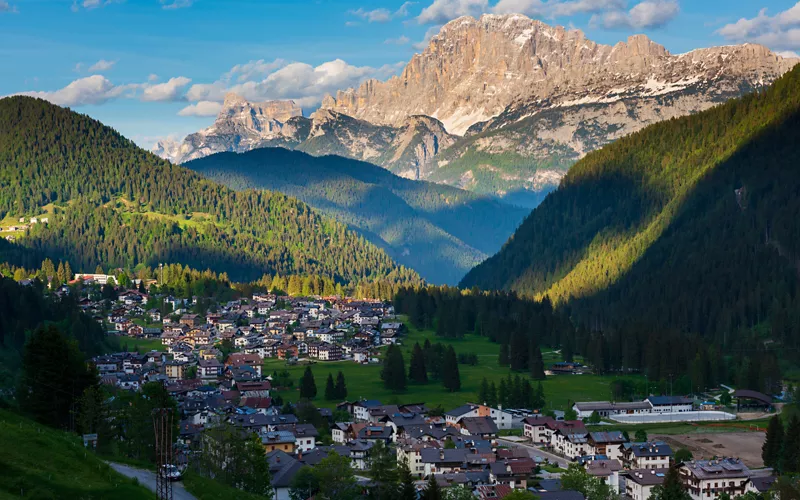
{"x":521,"y":264}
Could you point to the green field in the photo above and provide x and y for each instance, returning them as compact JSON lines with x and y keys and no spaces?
{"x":209,"y":489}
{"x":142,"y":345}
{"x":39,"y":462}
{"x":363,"y":381}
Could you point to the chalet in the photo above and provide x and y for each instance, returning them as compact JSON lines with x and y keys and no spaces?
{"x":454,"y":416}
{"x":278,"y":440}
{"x":410,"y":453}
{"x":607,"y":443}
{"x":329,"y":352}
{"x":209,"y":369}
{"x":287,"y":351}
{"x":191,"y":320}
{"x":607,"y":471}
{"x":305,"y":437}
{"x":135,"y":331}
{"x":376,"y":432}
{"x":708,"y":479}
{"x":176,"y":370}
{"x":243,"y":359}
{"x":254,"y":389}
{"x":483,"y":427}
{"x":535,"y":429}
{"x":639,"y":483}
{"x":513,"y":473}
{"x":646,"y":456}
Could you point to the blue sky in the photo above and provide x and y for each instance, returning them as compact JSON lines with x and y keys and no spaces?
{"x":152,"y":68}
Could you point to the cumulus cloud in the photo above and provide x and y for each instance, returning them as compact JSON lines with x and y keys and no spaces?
{"x":403,"y":40}
{"x":432,"y":31}
{"x":102,"y":65}
{"x":645,"y":15}
{"x":175,"y":4}
{"x":382,"y":15}
{"x":789,"y":54}
{"x":781,"y":31}
{"x":301,"y":82}
{"x":556,"y":8}
{"x":167,"y":91}
{"x":6,"y":7}
{"x":95,"y":89}
{"x":442,"y":11}
{"x":202,"y":108}
{"x":92,"y":4}
{"x":253,"y":69}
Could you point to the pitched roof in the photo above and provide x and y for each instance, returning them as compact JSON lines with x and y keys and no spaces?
{"x":479,"y":425}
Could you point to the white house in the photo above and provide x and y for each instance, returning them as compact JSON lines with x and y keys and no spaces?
{"x":707,"y":479}
{"x":639,"y":483}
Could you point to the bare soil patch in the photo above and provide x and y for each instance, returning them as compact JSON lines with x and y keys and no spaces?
{"x":744,"y":445}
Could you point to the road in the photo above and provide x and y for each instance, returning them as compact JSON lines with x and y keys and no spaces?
{"x":536,"y":452}
{"x":148,"y":480}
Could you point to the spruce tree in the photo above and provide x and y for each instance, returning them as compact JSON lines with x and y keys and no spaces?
{"x":503,"y":359}
{"x":790,"y":456}
{"x":394,"y":371}
{"x":341,"y":386}
{"x":537,"y":399}
{"x":406,"y":489}
{"x":330,"y":389}
{"x":417,"y":372}
{"x":432,"y":490}
{"x":492,"y":398}
{"x":450,"y":375}
{"x":771,"y":451}
{"x":671,"y":488}
{"x":308,"y":387}
{"x":483,"y":392}
{"x":536,"y":362}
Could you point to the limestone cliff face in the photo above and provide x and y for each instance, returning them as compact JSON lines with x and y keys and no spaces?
{"x":527,"y":100}
{"x":475,"y":68}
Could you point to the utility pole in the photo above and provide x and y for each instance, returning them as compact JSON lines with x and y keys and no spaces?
{"x":161,"y":275}
{"x":162,"y":426}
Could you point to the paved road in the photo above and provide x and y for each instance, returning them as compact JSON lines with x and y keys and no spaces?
{"x":148,"y":480}
{"x":536,"y":452}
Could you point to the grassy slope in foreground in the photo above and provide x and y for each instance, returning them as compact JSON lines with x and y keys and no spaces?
{"x":440,"y":231}
{"x":39,"y":462}
{"x":363,"y":381}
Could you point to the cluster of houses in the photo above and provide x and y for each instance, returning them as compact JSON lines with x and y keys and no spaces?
{"x":23,"y":226}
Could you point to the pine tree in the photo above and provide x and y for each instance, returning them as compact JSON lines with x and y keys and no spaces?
{"x":790,"y":455}
{"x":450,"y":375}
{"x":502,"y":394}
{"x":503,"y":360}
{"x":308,"y":387}
{"x":417,"y":373}
{"x":492,"y":398}
{"x":483,"y":392}
{"x":537,"y":399}
{"x":406,"y":489}
{"x":330,"y":389}
{"x":341,"y":386}
{"x":771,"y":451}
{"x":432,"y":490}
{"x":536,"y":363}
{"x":394,"y":371}
{"x":671,"y":489}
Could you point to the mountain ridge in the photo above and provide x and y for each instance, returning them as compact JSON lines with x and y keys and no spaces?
{"x":439,"y":231}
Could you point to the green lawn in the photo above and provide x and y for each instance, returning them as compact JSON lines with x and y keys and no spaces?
{"x":39,"y":462}
{"x":208,"y":489}
{"x":142,"y":345}
{"x":364,"y":381}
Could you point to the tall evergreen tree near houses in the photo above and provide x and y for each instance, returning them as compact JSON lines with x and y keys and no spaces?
{"x":771,"y":451}
{"x":536,"y":362}
{"x":417,"y":373}
{"x":341,"y":386}
{"x":518,"y":351}
{"x":483,"y":392}
{"x":537,"y":398}
{"x":790,"y":456}
{"x":308,"y":387}
{"x":330,"y":389}
{"x":432,"y":490}
{"x":406,"y":489}
{"x":492,"y":401}
{"x":394,"y":371}
{"x":451,"y":378}
{"x":504,"y":360}
{"x":671,"y":488}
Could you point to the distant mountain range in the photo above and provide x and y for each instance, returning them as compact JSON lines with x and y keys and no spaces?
{"x":501,"y":105}
{"x":439,"y":231}
{"x":116,"y":205}
{"x":688,"y":226}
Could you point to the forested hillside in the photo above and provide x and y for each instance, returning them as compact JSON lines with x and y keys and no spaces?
{"x":689,"y":226}
{"x":117,"y":205}
{"x":439,"y":231}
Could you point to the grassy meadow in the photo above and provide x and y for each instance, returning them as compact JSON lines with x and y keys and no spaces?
{"x":363,"y":381}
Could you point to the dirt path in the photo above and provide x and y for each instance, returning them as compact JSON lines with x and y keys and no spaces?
{"x":148,"y":479}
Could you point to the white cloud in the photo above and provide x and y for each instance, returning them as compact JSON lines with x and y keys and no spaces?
{"x":645,"y":15}
{"x":152,"y":77}
{"x":95,"y":89}
{"x":167,"y":91}
{"x":402,"y":40}
{"x":432,"y":31}
{"x":6,"y":7}
{"x":556,"y":8}
{"x":92,"y":4}
{"x":780,"y":32}
{"x":202,"y":108}
{"x":253,"y":69}
{"x":382,"y":15}
{"x":175,"y":4}
{"x":303,"y":83}
{"x":442,"y":11}
{"x":102,"y":65}
{"x":789,"y":54}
